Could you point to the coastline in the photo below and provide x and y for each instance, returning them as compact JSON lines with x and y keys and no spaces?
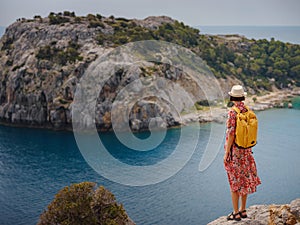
{"x":275,"y":99}
{"x":218,"y":114}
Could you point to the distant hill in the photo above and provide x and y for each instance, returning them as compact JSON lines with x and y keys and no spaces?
{"x":289,"y":34}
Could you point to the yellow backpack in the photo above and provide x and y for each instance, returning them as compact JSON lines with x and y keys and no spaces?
{"x":246,"y":128}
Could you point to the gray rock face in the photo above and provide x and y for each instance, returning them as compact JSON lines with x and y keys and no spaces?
{"x":36,"y":91}
{"x":41,"y":64}
{"x":153,"y":22}
{"x":288,"y":214}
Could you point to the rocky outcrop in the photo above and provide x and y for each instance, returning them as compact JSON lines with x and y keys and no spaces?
{"x":288,"y":214}
{"x":36,"y":90}
{"x":43,"y":60}
{"x":154,"y":22}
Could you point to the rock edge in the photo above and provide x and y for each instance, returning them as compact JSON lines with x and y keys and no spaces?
{"x":267,"y":215}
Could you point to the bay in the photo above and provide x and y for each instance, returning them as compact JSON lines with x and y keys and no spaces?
{"x":35,"y":164}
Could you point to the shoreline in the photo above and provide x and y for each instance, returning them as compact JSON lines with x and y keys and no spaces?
{"x":275,"y":99}
{"x":218,"y":114}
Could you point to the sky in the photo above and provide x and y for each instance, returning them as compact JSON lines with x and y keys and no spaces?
{"x":191,"y":12}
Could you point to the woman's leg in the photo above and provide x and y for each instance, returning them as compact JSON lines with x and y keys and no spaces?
{"x":244,"y":202}
{"x":235,"y":201}
{"x":235,"y":215}
{"x":243,"y":206}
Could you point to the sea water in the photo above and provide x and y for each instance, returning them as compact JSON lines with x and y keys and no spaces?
{"x":35,"y":164}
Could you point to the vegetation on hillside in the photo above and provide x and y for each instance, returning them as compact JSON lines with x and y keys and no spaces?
{"x":60,"y":55}
{"x":259,"y":64}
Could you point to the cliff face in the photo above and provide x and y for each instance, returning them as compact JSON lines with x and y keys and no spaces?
{"x":42,"y":61}
{"x":36,"y":90}
{"x":268,"y":215}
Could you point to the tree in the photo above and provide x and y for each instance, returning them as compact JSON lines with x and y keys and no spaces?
{"x":81,"y":204}
{"x":295,"y":71}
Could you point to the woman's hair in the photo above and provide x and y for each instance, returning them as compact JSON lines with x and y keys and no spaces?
{"x":237,"y":99}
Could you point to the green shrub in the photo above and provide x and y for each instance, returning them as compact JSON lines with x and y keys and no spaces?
{"x":203,"y":103}
{"x":67,"y":13}
{"x":94,"y":23}
{"x":91,"y":17}
{"x":99,"y":17}
{"x":84,"y":204}
{"x":60,"y":56}
{"x":77,"y":19}
{"x":57,"y":19}
{"x":45,"y":52}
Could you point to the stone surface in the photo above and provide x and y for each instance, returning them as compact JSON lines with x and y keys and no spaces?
{"x":267,"y":215}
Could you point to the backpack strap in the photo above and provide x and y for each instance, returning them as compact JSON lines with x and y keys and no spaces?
{"x":236,"y":109}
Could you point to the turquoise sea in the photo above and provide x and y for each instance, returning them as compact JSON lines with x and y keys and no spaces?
{"x":35,"y":164}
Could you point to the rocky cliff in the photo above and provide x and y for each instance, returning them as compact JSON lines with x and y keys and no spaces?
{"x":43,"y":59}
{"x":288,"y":214}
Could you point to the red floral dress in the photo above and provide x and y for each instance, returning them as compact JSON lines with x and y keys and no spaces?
{"x":241,"y":169}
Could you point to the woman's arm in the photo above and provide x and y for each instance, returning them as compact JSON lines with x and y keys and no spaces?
{"x":228,"y":145}
{"x":230,"y":132}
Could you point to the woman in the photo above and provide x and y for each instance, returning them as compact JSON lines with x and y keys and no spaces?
{"x":239,"y":162}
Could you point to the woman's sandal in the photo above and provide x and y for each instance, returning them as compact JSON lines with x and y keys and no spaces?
{"x":243,"y":214}
{"x":233,"y":216}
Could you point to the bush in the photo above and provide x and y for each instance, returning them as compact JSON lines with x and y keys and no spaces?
{"x":99,"y":17}
{"x":77,"y":19}
{"x":94,"y":23}
{"x":203,"y":103}
{"x":84,"y":204}
{"x":71,"y":14}
{"x":60,"y":56}
{"x":57,"y":19}
{"x":91,"y":17}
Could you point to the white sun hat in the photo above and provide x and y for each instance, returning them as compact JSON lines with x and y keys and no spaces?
{"x":237,"y":91}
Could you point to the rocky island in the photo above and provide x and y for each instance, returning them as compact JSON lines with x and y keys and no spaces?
{"x":43,"y":59}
